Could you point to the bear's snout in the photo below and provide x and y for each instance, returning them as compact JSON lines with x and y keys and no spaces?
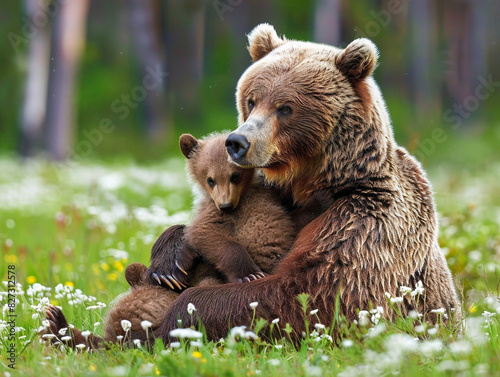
{"x":237,"y":146}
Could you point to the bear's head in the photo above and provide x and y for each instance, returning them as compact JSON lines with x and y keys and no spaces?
{"x":210,"y":168}
{"x":310,"y":114}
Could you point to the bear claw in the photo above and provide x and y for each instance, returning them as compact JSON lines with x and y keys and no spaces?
{"x":155,"y":276}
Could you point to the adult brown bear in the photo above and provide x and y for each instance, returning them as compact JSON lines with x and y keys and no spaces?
{"x":312,"y":117}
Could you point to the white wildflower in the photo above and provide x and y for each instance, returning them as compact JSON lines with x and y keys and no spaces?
{"x":175,"y":344}
{"x":274,"y":362}
{"x":191,"y":308}
{"x":439,"y":311}
{"x":319,"y":326}
{"x":126,"y":325}
{"x":48,"y":336}
{"x":430,"y":347}
{"x":278,"y":346}
{"x":419,"y":289}
{"x":119,"y":338}
{"x":313,"y":312}
{"x":347,"y":343}
{"x":254,"y":304}
{"x":413,"y":314}
{"x":376,"y":330}
{"x":404,"y":290}
{"x":195,"y":343}
{"x":63,"y":331}
{"x":419,"y":329}
{"x":432,"y":331}
{"x":275,"y":321}
{"x":137,"y":343}
{"x":80,"y":346}
{"x":185,"y":333}
{"x":461,"y":347}
{"x":86,"y":334}
{"x":146,"y":325}
{"x":363,"y":318}
{"x":396,"y":300}
{"x":66,"y":338}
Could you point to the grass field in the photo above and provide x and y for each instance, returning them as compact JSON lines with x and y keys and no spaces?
{"x":67,"y":232}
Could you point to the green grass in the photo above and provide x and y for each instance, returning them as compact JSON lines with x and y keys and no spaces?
{"x":80,"y":226}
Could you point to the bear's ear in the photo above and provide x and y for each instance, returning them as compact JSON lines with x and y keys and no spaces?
{"x":262,"y":40}
{"x":358,"y":60}
{"x":187,"y":143}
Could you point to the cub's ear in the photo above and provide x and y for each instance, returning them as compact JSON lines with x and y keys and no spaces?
{"x":188,"y":143}
{"x":358,"y":60}
{"x":262,"y":40}
{"x":134,"y":273}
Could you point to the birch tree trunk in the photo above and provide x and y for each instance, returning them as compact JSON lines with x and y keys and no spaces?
{"x":68,"y":40}
{"x":35,"y":89}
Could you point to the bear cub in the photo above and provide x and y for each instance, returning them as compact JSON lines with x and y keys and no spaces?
{"x":239,"y":227}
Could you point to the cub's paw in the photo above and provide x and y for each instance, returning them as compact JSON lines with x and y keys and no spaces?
{"x":171,"y":260}
{"x":59,"y":331}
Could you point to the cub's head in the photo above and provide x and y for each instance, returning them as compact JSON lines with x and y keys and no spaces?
{"x":295,"y":98}
{"x":208,"y":165}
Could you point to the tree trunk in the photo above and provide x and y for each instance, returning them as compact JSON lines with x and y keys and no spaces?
{"x":327,"y":22}
{"x":35,"y":90}
{"x":146,"y":33}
{"x":68,"y":39}
{"x":185,"y":34}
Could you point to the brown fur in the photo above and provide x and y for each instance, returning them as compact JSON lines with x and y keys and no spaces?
{"x":314,"y":120}
{"x":254,"y":233}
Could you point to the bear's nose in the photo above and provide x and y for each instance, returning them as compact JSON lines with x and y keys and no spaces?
{"x":237,"y":145}
{"x":226,"y":207}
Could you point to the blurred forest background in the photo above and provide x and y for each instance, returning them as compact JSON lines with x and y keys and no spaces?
{"x":87,"y":79}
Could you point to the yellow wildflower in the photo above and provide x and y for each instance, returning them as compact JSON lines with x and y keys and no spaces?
{"x":31,"y":279}
{"x":69,"y":284}
{"x":112,"y":276}
{"x":197,"y":354}
{"x":118,"y":266}
{"x":11,"y":258}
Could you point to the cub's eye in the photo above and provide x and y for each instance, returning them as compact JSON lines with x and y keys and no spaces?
{"x":210,"y":182}
{"x":284,"y":110}
{"x":251,"y":104}
{"x":235,"y":177}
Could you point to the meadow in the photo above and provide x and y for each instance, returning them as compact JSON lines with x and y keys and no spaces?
{"x":68,"y":231}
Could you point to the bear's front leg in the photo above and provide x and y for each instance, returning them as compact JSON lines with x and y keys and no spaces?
{"x":221,"y":307}
{"x":171,"y":260}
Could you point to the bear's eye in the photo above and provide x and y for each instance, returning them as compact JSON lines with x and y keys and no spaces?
{"x":251,"y":104}
{"x":284,"y":110}
{"x":235,"y":177}
{"x":210,"y":182}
